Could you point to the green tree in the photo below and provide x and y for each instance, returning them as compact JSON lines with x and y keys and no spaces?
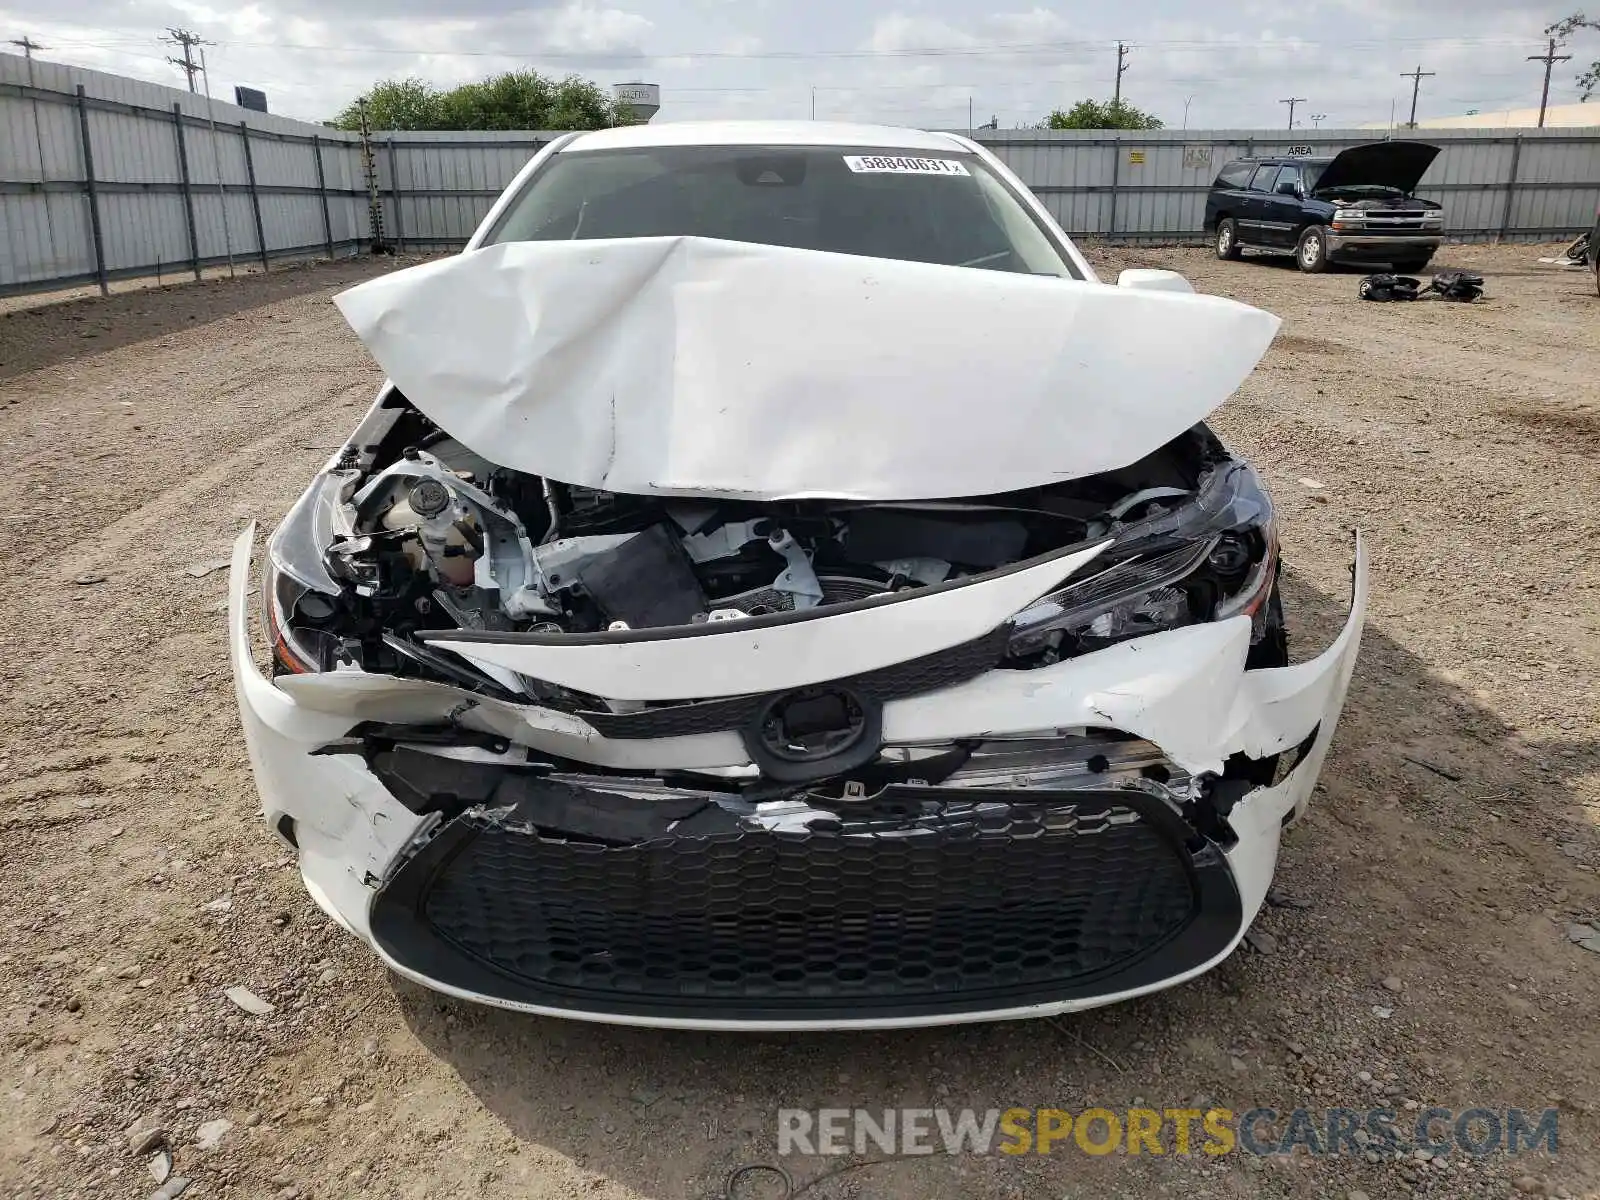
{"x":395,"y":104}
{"x":1095,"y":114}
{"x":511,"y":100}
{"x":579,"y":104}
{"x":1589,"y":81}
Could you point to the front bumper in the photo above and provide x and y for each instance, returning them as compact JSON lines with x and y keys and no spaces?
{"x":1381,"y":247}
{"x":993,"y":903}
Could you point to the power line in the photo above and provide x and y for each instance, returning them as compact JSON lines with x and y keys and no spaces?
{"x":1291,"y":102}
{"x":1056,"y":47}
{"x":1549,"y":58}
{"x":182,"y":37}
{"x":118,"y":47}
{"x":1416,"y":78}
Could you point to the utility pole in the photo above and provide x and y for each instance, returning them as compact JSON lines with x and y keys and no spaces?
{"x":1416,"y":78}
{"x":1291,"y":102}
{"x":1549,"y":58}
{"x":1122,"y":65}
{"x":28,"y":47}
{"x":216,"y":155}
{"x":182,"y":37}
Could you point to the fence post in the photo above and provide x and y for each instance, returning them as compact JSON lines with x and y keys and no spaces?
{"x":94,"y":196}
{"x":255,"y":198}
{"x":322,"y":190}
{"x":369,"y":172}
{"x":188,"y":196}
{"x":1116,"y":175}
{"x":1511,"y":187}
{"x":394,"y":190}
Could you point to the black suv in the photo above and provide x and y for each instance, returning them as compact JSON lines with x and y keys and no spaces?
{"x":1355,"y":207}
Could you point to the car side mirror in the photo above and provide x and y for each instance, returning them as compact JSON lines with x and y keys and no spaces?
{"x":1289,"y":188}
{"x":1146,"y":279}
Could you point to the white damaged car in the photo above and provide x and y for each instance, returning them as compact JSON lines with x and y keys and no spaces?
{"x":779,"y":586}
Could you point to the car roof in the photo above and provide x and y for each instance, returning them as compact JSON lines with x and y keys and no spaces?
{"x":765,"y":133}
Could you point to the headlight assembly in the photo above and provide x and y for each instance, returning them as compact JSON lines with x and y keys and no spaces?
{"x":297,"y":591}
{"x":1209,"y":560}
{"x":1127,"y":600}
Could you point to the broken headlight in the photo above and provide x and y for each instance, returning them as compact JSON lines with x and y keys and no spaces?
{"x":1127,"y":600}
{"x":297,"y":591}
{"x":1223,"y":565}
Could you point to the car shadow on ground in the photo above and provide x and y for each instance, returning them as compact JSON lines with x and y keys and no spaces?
{"x":670,"y":1113}
{"x":50,"y":333}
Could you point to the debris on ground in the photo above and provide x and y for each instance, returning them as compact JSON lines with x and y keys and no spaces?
{"x":1586,"y":935}
{"x":1261,"y":941}
{"x":1384,"y":287}
{"x":1574,"y":257}
{"x":210,"y":1134}
{"x":1457,"y":285}
{"x":1478,"y":660}
{"x":145,"y":1138}
{"x":250,"y":1002}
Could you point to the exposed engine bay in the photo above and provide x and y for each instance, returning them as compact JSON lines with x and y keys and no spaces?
{"x":410,"y":532}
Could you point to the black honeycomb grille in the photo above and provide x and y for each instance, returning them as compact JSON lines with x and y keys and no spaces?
{"x":954,"y":908}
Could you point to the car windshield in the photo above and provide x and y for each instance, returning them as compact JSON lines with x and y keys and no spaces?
{"x":1311,"y":172}
{"x":940,"y":208}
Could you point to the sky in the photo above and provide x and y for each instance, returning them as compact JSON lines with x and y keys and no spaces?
{"x":929,"y":63}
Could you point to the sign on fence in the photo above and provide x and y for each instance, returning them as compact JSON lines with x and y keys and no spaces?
{"x":1197,"y":158}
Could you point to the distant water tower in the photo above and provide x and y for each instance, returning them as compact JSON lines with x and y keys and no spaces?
{"x":642,"y":99}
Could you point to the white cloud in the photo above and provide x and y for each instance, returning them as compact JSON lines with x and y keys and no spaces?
{"x":719,"y":58}
{"x":591,"y":29}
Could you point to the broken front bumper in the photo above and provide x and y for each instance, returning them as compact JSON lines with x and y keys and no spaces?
{"x":1006,"y":896}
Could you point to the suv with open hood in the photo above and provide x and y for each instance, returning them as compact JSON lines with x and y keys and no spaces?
{"x":1356,"y":207}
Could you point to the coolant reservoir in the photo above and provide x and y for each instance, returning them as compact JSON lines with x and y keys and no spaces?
{"x":436,"y":516}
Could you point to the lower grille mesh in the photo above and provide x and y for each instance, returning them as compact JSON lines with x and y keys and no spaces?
{"x":975,"y":899}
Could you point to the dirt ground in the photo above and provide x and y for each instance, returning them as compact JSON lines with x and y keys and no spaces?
{"x":1452,"y":841}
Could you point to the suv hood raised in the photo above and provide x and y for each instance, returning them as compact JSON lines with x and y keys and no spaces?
{"x":1400,"y":165}
{"x":683,"y":366}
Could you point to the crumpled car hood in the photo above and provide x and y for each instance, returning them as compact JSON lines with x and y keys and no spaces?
{"x":690,"y":366}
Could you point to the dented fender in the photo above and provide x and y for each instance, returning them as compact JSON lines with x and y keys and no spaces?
{"x":1185,"y":689}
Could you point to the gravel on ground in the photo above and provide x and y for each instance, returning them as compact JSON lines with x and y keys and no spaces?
{"x":1422,"y":951}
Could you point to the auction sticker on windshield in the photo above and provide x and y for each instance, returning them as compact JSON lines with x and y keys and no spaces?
{"x":901,"y":165}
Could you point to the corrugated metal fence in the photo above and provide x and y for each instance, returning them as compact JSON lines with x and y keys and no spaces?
{"x":105,"y":178}
{"x":1531,"y":185}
